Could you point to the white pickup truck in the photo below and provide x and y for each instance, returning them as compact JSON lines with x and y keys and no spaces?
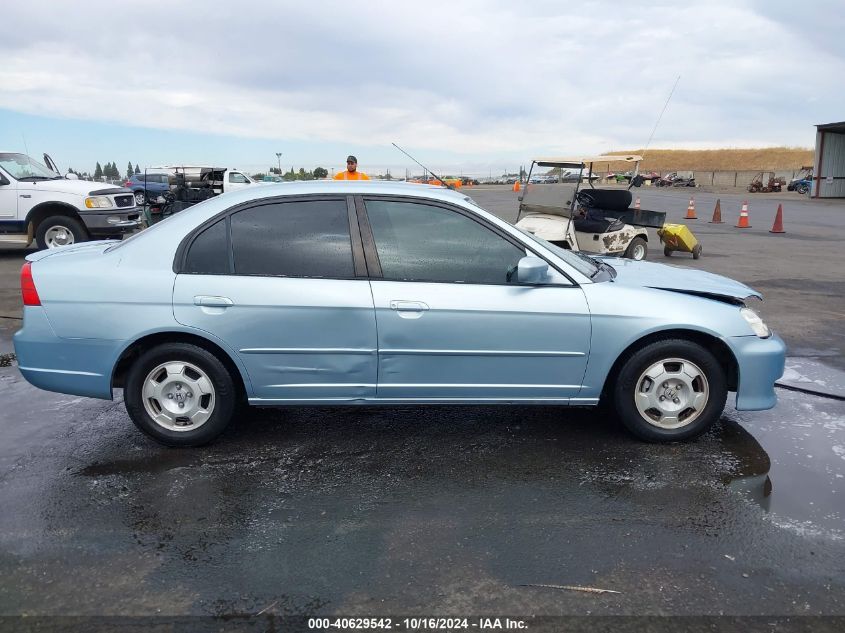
{"x":37,"y":202}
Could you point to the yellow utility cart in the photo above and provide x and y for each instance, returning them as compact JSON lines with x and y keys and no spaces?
{"x":678,"y":237}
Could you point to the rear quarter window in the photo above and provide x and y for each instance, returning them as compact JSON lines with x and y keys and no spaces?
{"x":209,"y":252}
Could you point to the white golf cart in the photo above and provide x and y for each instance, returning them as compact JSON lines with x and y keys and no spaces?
{"x":586,"y":219}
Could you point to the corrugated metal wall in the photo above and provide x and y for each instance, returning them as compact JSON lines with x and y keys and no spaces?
{"x":832,"y":164}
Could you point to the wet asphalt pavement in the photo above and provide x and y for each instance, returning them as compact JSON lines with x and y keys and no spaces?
{"x":435,"y":510}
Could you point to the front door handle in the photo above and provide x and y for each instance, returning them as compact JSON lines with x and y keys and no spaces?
{"x":408,"y":306}
{"x":213,"y":302}
{"x":26,"y":195}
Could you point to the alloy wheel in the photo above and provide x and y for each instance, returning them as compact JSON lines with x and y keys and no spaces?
{"x":671,"y":393}
{"x":57,"y":236}
{"x":178,"y":396}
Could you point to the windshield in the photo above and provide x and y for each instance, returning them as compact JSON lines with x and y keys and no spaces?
{"x":580,"y":262}
{"x":21,"y":166}
{"x":162,"y":223}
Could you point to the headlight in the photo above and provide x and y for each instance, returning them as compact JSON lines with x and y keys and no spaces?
{"x":756,"y":323}
{"x":98,"y":202}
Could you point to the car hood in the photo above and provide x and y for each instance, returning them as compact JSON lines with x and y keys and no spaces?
{"x":677,"y":279}
{"x":63,"y":185}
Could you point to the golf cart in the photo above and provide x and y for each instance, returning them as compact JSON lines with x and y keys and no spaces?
{"x":587,"y":219}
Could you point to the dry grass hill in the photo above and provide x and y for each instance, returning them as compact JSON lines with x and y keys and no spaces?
{"x":767,"y":158}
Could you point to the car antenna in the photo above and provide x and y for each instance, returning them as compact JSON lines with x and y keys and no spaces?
{"x":659,"y":117}
{"x":442,"y":182}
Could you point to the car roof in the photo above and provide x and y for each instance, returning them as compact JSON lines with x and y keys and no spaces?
{"x":362,"y":187}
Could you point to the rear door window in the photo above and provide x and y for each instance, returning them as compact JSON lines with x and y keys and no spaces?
{"x":302,"y":238}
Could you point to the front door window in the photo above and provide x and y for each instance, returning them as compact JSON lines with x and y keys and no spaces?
{"x":421,"y":242}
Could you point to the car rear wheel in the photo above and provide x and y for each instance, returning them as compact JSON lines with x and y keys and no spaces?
{"x":180,"y":395}
{"x":637,"y":249}
{"x":59,"y":230}
{"x":670,"y":390}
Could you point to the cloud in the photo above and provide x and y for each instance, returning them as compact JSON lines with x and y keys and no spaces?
{"x":473,"y":79}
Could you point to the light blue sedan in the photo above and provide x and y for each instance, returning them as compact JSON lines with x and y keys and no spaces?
{"x":381,"y":293}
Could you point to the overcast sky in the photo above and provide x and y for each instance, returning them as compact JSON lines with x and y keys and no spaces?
{"x":470,"y":85}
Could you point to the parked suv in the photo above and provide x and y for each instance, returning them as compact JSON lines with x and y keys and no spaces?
{"x":147,"y":187}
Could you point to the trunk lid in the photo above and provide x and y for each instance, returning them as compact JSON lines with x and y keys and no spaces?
{"x":71,"y":249}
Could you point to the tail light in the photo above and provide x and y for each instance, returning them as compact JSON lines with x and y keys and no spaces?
{"x":28,"y":291}
{"x":127,"y":183}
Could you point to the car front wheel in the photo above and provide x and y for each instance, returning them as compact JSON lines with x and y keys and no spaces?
{"x":670,"y":390}
{"x":180,"y":395}
{"x":140,"y":198}
{"x":59,"y":230}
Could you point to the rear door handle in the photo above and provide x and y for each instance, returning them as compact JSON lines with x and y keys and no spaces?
{"x":408,"y":306}
{"x":213,"y":302}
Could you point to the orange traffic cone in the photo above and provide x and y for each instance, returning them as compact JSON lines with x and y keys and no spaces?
{"x":637,"y":203}
{"x":516,"y":186}
{"x":691,"y":211}
{"x":777,"y":227}
{"x":717,"y":213}
{"x":742,"y":223}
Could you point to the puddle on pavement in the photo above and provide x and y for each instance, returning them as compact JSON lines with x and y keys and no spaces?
{"x":804,"y":439}
{"x":810,"y":374}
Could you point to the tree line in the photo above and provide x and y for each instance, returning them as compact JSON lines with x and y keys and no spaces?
{"x":109,"y":171}
{"x":302,"y":174}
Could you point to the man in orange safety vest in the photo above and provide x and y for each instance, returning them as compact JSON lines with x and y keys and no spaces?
{"x":351,"y":172}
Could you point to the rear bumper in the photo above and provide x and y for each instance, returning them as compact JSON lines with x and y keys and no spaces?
{"x":761,"y":362}
{"x":81,"y":367}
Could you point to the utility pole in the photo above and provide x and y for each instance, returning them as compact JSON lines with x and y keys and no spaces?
{"x":279,"y":158}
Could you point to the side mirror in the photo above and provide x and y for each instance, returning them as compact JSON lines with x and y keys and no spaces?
{"x":531,"y":270}
{"x":71,"y":176}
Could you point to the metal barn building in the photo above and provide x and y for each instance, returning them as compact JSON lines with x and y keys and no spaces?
{"x":829,"y":164}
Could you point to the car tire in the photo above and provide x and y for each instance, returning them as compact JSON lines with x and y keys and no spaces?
{"x":185,"y":376}
{"x":140,"y":198}
{"x":667,"y":251}
{"x":637,"y":249}
{"x":696,"y":251}
{"x":59,"y":230}
{"x":802,"y":189}
{"x":670,"y":390}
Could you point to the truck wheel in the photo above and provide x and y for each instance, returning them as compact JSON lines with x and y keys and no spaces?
{"x":59,"y":230}
{"x":140,"y":198}
{"x":637,"y":249}
{"x":802,"y":189}
{"x":667,"y":251}
{"x":670,"y":390}
{"x":696,"y":251}
{"x":180,"y":395}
